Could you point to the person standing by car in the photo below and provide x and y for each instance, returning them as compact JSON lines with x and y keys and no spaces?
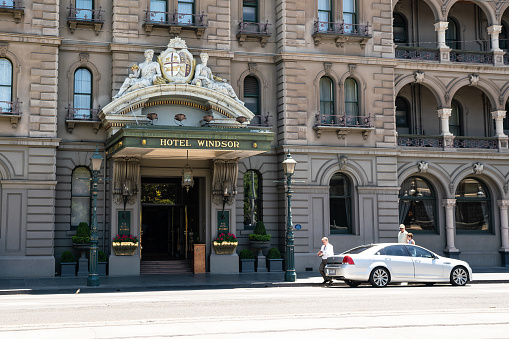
{"x":327,"y":250}
{"x":402,"y":234}
{"x":410,"y":239}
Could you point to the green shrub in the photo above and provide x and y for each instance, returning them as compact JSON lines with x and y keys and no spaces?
{"x":246,"y":254}
{"x":259,"y":237}
{"x":82,"y":234}
{"x":101,"y":256}
{"x":67,"y":257}
{"x":274,"y":254}
{"x":260,"y":228}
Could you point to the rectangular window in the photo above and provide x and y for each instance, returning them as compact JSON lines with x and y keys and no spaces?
{"x":349,"y":15}
{"x":186,"y":9}
{"x":84,"y":9}
{"x":158,"y":7}
{"x":5,"y":85}
{"x":325,"y":14}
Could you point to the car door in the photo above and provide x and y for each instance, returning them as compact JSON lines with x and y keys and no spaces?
{"x":426,"y":266}
{"x":399,"y":262}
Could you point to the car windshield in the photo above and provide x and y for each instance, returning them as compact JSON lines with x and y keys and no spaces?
{"x":357,"y":250}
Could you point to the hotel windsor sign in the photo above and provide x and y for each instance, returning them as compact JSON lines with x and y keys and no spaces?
{"x":200,"y":143}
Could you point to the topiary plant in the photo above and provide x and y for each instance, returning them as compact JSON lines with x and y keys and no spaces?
{"x":101,"y":256}
{"x":259,"y":233}
{"x":67,"y":257}
{"x":260,"y":228}
{"x":274,"y":254}
{"x":246,"y":254}
{"x":82,"y":234}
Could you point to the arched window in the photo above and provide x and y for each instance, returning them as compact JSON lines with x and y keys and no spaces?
{"x":502,"y":37}
{"x":340,"y":204}
{"x":159,"y":7}
{"x":349,"y":15}
{"x":417,"y":205}
{"x":80,"y":196}
{"x":452,"y":34}
{"x":252,"y":94}
{"x":252,"y":197}
{"x":82,"y":93}
{"x":186,"y":9}
{"x":351,"y":101}
{"x":402,"y":116}
{"x":326,"y":100}
{"x":325,"y":14}
{"x":473,"y":206}
{"x":455,"y":126}
{"x":84,"y":9}
{"x":399,"y":29}
{"x":5,"y":85}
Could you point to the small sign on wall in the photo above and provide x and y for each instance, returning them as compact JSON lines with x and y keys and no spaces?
{"x":223,"y":222}
{"x":124,"y":222}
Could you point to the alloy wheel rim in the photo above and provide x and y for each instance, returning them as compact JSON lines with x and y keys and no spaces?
{"x":380,"y":277}
{"x":460,"y":276}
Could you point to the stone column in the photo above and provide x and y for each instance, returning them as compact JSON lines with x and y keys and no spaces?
{"x":440,"y":28}
{"x":445,"y":114}
{"x":498,"y":54}
{"x":450,"y":250}
{"x":499,"y":128}
{"x":504,"y":232}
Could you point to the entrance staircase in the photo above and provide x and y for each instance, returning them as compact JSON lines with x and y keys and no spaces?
{"x":166,"y":267}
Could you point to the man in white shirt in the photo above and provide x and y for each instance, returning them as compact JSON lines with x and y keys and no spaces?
{"x":327,"y":250}
{"x":402,"y":234}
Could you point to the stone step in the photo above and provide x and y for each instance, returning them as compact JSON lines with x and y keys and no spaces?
{"x":166,"y":267}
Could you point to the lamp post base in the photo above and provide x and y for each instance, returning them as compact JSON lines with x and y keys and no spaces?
{"x":290,"y":276}
{"x":93,"y":280}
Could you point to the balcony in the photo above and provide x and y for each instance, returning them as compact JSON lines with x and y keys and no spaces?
{"x":341,"y":32}
{"x":83,"y":116}
{"x":85,"y":17}
{"x":253,"y":30}
{"x":471,"y":57}
{"x":9,"y":110}
{"x":342,"y":125}
{"x":452,"y":142}
{"x":16,"y":9}
{"x":456,"y":56}
{"x":174,"y":22}
{"x":416,"y":53}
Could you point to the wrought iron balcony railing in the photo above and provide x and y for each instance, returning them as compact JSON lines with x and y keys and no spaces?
{"x":475,"y":142}
{"x":420,"y":141}
{"x":14,"y":7}
{"x":341,"y":28}
{"x":10,"y":107}
{"x":343,"y":120}
{"x":174,"y":18}
{"x":14,"y":4}
{"x":471,"y":57}
{"x":87,"y":15}
{"x":260,"y":120}
{"x":417,"y":53}
{"x":457,"y":142}
{"x":83,"y":114}
{"x":261,"y":28}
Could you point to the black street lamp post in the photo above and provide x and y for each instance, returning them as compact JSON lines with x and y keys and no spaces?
{"x":289,"y":168}
{"x":93,"y":277}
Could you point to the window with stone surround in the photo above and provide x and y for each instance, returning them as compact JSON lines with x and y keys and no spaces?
{"x":82,"y":93}
{"x":400,"y":29}
{"x":340,"y":204}
{"x":86,"y":14}
{"x":456,"y":119}
{"x":473,"y":206}
{"x":326,"y":100}
{"x":452,"y":38}
{"x":351,"y":97}
{"x":252,"y":94}
{"x":402,"y":116}
{"x":349,"y":15}
{"x":417,"y":205}
{"x":174,"y":15}
{"x":80,"y":196}
{"x":5,"y":85}
{"x":252,"y":198}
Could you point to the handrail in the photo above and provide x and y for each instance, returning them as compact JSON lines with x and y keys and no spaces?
{"x":341,"y":28}
{"x":10,"y":107}
{"x":76,"y":14}
{"x":174,"y":18}
{"x":246,"y":27}
{"x":343,"y":120}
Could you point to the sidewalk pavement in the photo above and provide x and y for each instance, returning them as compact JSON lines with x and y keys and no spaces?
{"x":53,"y":285}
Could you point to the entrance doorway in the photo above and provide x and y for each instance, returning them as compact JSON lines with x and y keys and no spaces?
{"x":169,"y":219}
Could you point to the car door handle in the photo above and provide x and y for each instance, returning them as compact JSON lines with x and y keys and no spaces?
{"x":417,"y":261}
{"x":388,"y":259}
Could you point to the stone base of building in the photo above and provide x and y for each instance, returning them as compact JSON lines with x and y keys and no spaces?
{"x":27,"y":267}
{"x":224,"y":263}
{"x":505,"y":258}
{"x":121,"y":265}
{"x":453,"y":254}
{"x":306,"y":262}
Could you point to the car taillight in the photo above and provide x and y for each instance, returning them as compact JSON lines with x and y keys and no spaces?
{"x":348,"y":260}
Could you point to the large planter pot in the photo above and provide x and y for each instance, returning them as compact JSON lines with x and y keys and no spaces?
{"x":247,"y":265}
{"x":275,"y":265}
{"x":82,"y":261}
{"x":259,"y":246}
{"x":68,"y":269}
{"x":101,"y":268}
{"x":224,"y":247}
{"x":124,"y":248}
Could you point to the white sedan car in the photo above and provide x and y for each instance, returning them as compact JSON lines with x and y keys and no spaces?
{"x":380,"y":264}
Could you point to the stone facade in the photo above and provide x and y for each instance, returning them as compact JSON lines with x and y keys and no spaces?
{"x":454,"y":87}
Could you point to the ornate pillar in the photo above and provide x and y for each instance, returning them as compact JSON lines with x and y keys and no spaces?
{"x":440,"y":28}
{"x":450,"y":250}
{"x":498,"y":54}
{"x":499,"y":116}
{"x":445,"y":114}
{"x":504,"y":232}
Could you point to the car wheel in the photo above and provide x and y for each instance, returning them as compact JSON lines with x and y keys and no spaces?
{"x":459,"y":276}
{"x":379,"y":277}
{"x":352,"y":283}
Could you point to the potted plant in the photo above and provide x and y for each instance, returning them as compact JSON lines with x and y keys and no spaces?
{"x":259,"y":239}
{"x":274,"y":260}
{"x":81,"y":242}
{"x":124,"y":244}
{"x":67,"y":264}
{"x":225,"y":243}
{"x":101,"y":263}
{"x":247,"y":261}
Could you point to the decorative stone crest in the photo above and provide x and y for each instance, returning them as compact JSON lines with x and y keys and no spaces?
{"x":327,"y":67}
{"x":83,"y":58}
{"x":451,"y":188}
{"x":474,"y":79}
{"x":343,"y":161}
{"x":177,"y":63}
{"x":419,"y":77}
{"x":478,"y":168}
{"x":352,"y":68}
{"x":3,"y":49}
{"x":252,"y":67}
{"x":422,"y":167}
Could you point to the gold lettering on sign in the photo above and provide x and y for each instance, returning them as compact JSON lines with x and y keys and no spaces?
{"x":201,"y":143}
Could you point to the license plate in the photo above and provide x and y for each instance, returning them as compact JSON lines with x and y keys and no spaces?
{"x":331,"y":272}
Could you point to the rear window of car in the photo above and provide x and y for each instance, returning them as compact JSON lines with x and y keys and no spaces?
{"x":357,"y":250}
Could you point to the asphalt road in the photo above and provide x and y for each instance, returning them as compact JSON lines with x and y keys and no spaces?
{"x":442,"y":311}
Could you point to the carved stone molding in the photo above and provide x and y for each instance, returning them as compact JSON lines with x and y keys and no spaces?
{"x":419,"y":77}
{"x":503,"y":204}
{"x":477,"y":168}
{"x":422,"y":167}
{"x":474,"y":79}
{"x":343,"y":161}
{"x":449,"y":203}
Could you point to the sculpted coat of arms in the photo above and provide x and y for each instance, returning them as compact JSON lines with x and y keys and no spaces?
{"x":177,"y":63}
